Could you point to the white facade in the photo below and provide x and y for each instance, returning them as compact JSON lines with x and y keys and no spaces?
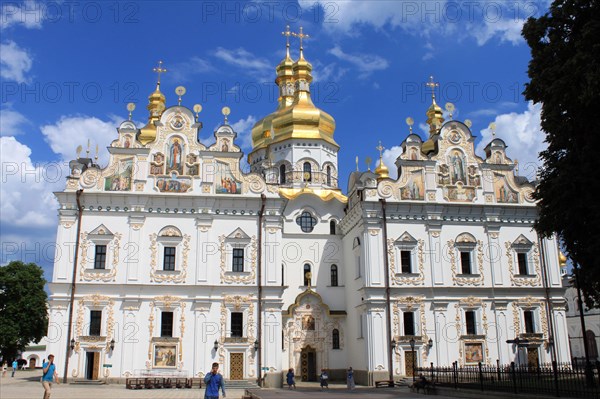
{"x":173,"y":203}
{"x":592,"y":325}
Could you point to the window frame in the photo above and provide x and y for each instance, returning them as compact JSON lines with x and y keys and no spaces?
{"x":469,"y":258}
{"x":282,"y":172}
{"x":522,"y":268}
{"x":307,"y":169}
{"x":169,"y":259}
{"x":529,"y":322}
{"x":334,"y":275}
{"x":412,"y":324}
{"x":95,"y":323}
{"x":403,"y":253}
{"x":167,"y":330}
{"x":238,"y":324}
{"x":100,"y":264}
{"x":303,"y":219}
{"x":304,"y":270}
{"x":471,"y":322}
{"x":236,"y":259}
{"x":335,"y":339}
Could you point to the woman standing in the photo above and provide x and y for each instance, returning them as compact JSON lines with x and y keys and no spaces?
{"x":290,"y":379}
{"x":350,"y":379}
{"x":323,"y":378}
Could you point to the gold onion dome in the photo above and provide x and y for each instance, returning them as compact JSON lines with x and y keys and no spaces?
{"x":302,"y":119}
{"x":156,"y":106}
{"x":382,"y":170}
{"x":562,"y":259}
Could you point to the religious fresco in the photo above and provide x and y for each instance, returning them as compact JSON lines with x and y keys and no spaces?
{"x":165,"y":355}
{"x":414,"y":189}
{"x":174,"y":184}
{"x":460,"y":193}
{"x":457,"y":163}
{"x":121,"y":178}
{"x":225,"y":181}
{"x":308,"y":323}
{"x":504,"y":194}
{"x":473,"y":352}
{"x":175,"y":156}
{"x":458,"y":179}
{"x":225,"y":145}
{"x":191,"y":165}
{"x":157,"y":165}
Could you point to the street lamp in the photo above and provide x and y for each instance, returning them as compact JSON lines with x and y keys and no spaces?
{"x":393,"y":344}
{"x":112,"y":344}
{"x":72,"y":343}
{"x":216,"y":345}
{"x":255,"y":346}
{"x":412,"y":348}
{"x":430,"y":343}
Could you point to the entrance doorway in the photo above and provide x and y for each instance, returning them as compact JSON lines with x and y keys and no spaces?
{"x":308,"y":364}
{"x":532,"y":357}
{"x":92,"y":366}
{"x":236,"y":366}
{"x":409,"y":363}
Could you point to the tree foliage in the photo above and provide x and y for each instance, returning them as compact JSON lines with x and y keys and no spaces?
{"x":565,"y":78}
{"x":23,"y":307}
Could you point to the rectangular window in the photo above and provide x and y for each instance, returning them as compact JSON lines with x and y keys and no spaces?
{"x":360,"y":325}
{"x":529,"y":321}
{"x":166,"y":324}
{"x":169,"y":261}
{"x":470,"y":321}
{"x":238,"y":260}
{"x":100,"y":257}
{"x":358,"y":267}
{"x":405,"y":261}
{"x":95,"y":322}
{"x":465,"y":262}
{"x":237,"y":324}
{"x":522,"y":261}
{"x":409,"y":323}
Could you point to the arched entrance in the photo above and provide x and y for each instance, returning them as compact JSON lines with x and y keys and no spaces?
{"x":308,"y":364}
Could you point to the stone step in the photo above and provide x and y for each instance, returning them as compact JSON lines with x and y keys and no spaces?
{"x":87,"y":382}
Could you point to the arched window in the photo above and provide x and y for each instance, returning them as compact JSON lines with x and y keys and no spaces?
{"x":332,"y":227}
{"x":335,"y":339}
{"x":307,"y":171}
{"x":591,"y":344}
{"x":307,"y":275}
{"x":329,"y":175}
{"x":306,"y":222}
{"x":282,"y":174}
{"x":334,"y":275}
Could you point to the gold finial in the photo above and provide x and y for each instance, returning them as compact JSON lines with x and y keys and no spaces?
{"x":225,"y":111}
{"x":356,"y":160}
{"x":287,"y":33}
{"x":492,"y":128}
{"x":450,"y":108}
{"x":368,"y":160}
{"x":380,"y":148}
{"x":410,"y":122}
{"x":301,"y":36}
{"x":87,"y":151}
{"x":432,"y":85}
{"x":130,"y":108}
{"x":468,"y":123}
{"x":96,"y":156}
{"x":159,"y":69}
{"x":562,"y":259}
{"x":197,"y":110}
{"x":180,"y":91}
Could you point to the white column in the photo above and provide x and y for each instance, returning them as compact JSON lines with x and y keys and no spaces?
{"x":133,"y":249}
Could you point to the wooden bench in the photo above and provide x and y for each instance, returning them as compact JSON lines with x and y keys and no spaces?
{"x":384,"y":384}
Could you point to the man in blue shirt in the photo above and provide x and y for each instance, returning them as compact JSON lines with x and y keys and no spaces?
{"x":213,"y":381}
{"x":50,"y":375}
{"x":15,"y":364}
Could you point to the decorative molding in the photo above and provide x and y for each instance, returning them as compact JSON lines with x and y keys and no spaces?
{"x":105,"y":275}
{"x":246,"y":278}
{"x":398,"y":278}
{"x":524,"y":281}
{"x":462,"y":280}
{"x":178,"y":276}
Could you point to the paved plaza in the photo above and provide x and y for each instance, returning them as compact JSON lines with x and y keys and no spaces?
{"x":26,"y":385}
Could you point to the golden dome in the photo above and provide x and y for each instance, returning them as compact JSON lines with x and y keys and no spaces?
{"x":435,"y":117}
{"x":562,"y":259}
{"x":302,"y":119}
{"x":382,"y":170}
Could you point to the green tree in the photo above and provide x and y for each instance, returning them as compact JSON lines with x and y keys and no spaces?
{"x":23,"y":307}
{"x":565,"y":78}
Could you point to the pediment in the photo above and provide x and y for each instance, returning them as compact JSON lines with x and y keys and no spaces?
{"x":405,"y":239}
{"x":522,"y":241}
{"x":101,"y":230}
{"x":238,"y":234}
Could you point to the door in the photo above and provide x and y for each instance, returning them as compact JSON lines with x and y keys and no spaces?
{"x":236,"y":366}
{"x":532,"y":357}
{"x":409,"y":363}
{"x":92,"y":367}
{"x":308,"y":364}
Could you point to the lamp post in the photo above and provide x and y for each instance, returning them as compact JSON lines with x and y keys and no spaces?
{"x":72,"y":344}
{"x":216,"y":346}
{"x":412,"y":348}
{"x":112,"y":344}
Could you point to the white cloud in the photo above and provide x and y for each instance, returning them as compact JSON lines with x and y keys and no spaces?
{"x":184,"y":71}
{"x":26,"y":189}
{"x":366,"y":63}
{"x":243,"y":128}
{"x":523,"y":135}
{"x":28,"y":14}
{"x":327,"y":73}
{"x":15,"y":62}
{"x":248,"y":62}
{"x":448,"y":18}
{"x":70,"y":131}
{"x":389,"y":159}
{"x":11,"y":122}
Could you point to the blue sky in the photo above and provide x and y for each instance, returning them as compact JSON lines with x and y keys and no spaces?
{"x":69,"y":69}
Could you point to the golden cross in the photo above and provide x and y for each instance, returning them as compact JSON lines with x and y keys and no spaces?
{"x":159,"y":69}
{"x":301,"y":36}
{"x":432,"y":85}
{"x":380,"y":148}
{"x":287,"y":35}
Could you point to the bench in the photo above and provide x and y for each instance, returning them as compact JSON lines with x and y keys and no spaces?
{"x":384,"y":384}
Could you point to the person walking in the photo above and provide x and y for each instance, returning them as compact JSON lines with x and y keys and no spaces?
{"x":50,"y":375}
{"x":214,"y":381}
{"x":4,"y":368}
{"x":290,"y":379}
{"x":15,"y":366}
{"x":323,"y":378}
{"x":350,"y":379}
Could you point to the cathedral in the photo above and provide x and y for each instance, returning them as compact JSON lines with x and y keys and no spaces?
{"x":178,"y":258}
